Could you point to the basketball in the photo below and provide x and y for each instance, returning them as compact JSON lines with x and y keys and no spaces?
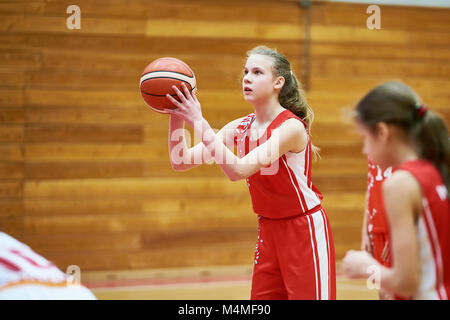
{"x":159,"y":77}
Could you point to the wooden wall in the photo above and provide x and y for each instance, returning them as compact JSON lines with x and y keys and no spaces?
{"x":85,"y":177}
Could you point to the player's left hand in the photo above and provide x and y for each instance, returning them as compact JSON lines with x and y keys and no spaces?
{"x":357,"y":263}
{"x":188,"y":108}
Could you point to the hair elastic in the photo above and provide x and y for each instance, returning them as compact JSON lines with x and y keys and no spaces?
{"x":421,"y":110}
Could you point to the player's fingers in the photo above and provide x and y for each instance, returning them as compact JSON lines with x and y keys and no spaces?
{"x":187,"y":94}
{"x":194,"y":96}
{"x":179,"y":94}
{"x":174,"y":101}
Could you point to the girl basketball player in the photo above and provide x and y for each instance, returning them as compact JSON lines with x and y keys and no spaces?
{"x":294,"y":258}
{"x":399,"y":131}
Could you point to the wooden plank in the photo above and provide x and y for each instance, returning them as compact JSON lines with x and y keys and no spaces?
{"x":393,"y":17}
{"x":131,"y":188}
{"x":92,"y":152}
{"x":12,"y":79}
{"x":12,"y":115}
{"x":75,"y":170}
{"x":341,"y":183}
{"x":155,"y":46}
{"x":11,"y":133}
{"x":71,"y":207}
{"x":135,"y":223}
{"x":109,"y":98}
{"x":11,"y":208}
{"x":55,"y":24}
{"x":83,"y":133}
{"x":11,"y":189}
{"x":12,"y":225}
{"x":226,"y":254}
{"x":13,"y":60}
{"x":80,"y":242}
{"x":11,"y":152}
{"x":205,"y":10}
{"x":113,"y":169}
{"x":11,"y":98}
{"x":364,"y":67}
{"x":155,"y":27}
{"x":11,"y":170}
{"x":362,"y":34}
{"x":224,"y":29}
{"x":363,"y":84}
{"x":379,"y":51}
{"x":344,"y":164}
{"x":161,"y":206}
{"x":92,"y":116}
{"x":345,"y":201}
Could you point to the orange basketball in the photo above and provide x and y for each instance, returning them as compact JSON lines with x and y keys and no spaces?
{"x":159,"y":77}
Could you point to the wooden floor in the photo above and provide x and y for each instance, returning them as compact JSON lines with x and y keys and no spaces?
{"x":208,"y":283}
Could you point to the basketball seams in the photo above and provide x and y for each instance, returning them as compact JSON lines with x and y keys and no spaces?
{"x":170,"y":71}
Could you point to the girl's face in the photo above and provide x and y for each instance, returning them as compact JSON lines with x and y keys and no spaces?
{"x":258,"y":82}
{"x":374,"y":144}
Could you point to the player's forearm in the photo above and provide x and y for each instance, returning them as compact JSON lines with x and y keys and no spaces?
{"x":227,"y":160}
{"x":395,"y":282}
{"x":180,"y":157}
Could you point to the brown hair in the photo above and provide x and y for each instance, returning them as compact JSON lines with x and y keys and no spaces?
{"x":395,"y":103}
{"x":291,"y":96}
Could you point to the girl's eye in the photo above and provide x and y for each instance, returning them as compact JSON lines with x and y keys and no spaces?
{"x":245,"y":71}
{"x":258,"y":72}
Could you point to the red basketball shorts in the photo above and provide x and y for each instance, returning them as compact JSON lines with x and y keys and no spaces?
{"x":294,"y":259}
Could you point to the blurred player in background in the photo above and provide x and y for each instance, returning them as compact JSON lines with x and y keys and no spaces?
{"x":399,"y":131}
{"x":25,"y":275}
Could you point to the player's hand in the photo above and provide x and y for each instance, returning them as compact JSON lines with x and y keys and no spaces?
{"x":356,"y":264}
{"x":365,"y":243}
{"x":188,"y":108}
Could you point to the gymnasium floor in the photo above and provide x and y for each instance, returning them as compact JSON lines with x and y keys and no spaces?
{"x":200,"y":283}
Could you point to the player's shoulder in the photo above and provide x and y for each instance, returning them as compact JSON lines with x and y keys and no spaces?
{"x":294,"y":127}
{"x":400,"y":184}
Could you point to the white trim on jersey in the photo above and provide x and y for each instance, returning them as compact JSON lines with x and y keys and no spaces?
{"x":427,"y":286}
{"x":297,"y":162}
{"x":434,"y":241}
{"x":295,"y":187}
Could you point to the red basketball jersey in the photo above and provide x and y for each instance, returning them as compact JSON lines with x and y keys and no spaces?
{"x":433,"y":232}
{"x":376,"y":219}
{"x":283,"y":189}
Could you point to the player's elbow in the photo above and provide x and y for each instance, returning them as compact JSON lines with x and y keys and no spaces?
{"x":235,"y":176}
{"x":177,"y":167}
{"x":406,"y":286}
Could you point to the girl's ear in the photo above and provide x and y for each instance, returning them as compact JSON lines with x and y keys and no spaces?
{"x":383,"y":131}
{"x":279,"y":83}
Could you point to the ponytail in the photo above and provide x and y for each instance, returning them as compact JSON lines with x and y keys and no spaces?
{"x":291,"y":96}
{"x":431,"y":136}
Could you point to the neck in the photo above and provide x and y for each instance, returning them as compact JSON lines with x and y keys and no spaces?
{"x":404,"y":152}
{"x":267,"y":111}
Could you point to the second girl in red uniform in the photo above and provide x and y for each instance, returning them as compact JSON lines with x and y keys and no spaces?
{"x":399,"y":131}
{"x":295,"y":251}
